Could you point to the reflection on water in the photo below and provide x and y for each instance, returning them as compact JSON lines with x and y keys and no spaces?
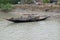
{"x":42,"y":30}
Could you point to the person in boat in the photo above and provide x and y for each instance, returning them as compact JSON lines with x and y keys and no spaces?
{"x":32,"y":17}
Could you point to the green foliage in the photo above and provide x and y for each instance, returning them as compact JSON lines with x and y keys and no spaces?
{"x":6,"y":7}
{"x":4,"y":1}
{"x":9,"y":1}
{"x":29,"y":1}
{"x":14,"y":1}
{"x":46,"y":1}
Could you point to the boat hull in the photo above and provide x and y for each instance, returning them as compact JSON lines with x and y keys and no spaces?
{"x":31,"y":20}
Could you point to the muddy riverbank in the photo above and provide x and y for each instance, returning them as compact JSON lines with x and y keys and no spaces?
{"x":33,"y":7}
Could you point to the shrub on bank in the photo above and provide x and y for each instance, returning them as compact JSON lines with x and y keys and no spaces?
{"x":46,"y":1}
{"x":29,"y":1}
{"x":6,"y":7}
{"x":9,"y":1}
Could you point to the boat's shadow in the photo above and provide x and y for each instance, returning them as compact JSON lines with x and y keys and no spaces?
{"x":11,"y":24}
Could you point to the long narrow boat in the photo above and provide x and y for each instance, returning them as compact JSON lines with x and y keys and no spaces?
{"x":19,"y":20}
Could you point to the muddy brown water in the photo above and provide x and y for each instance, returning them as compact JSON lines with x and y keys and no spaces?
{"x":42,"y":30}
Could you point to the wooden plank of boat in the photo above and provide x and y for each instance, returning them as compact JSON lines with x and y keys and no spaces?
{"x":16,"y":20}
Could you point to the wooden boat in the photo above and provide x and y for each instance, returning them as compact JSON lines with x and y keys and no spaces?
{"x":18,"y":20}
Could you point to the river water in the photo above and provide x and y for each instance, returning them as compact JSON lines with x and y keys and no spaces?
{"x":42,"y":30}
